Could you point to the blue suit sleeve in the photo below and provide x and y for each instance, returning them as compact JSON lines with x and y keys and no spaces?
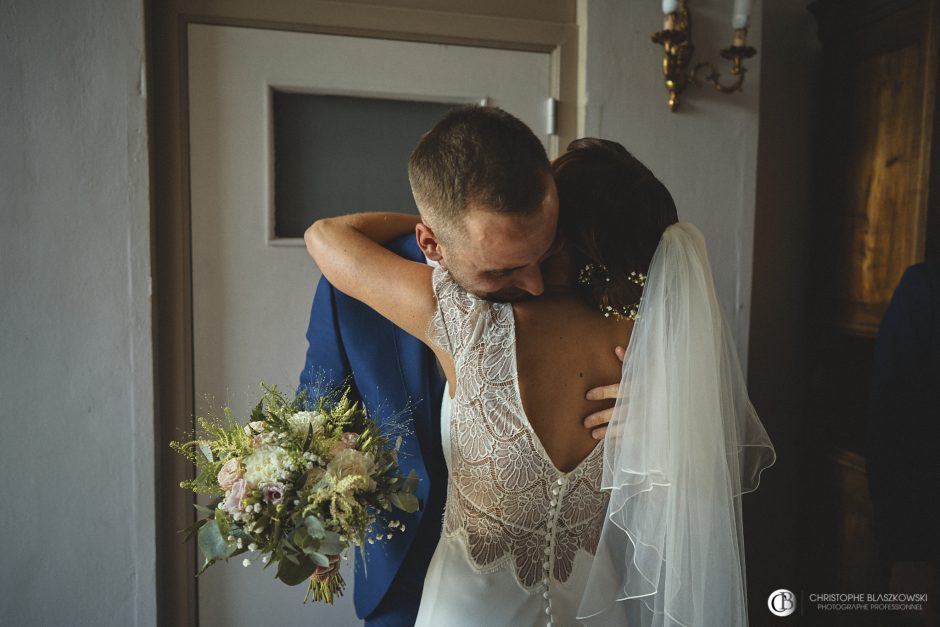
{"x":327,"y":365}
{"x":902,"y":424}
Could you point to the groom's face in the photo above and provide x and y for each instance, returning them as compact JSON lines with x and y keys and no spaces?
{"x":497,"y":256}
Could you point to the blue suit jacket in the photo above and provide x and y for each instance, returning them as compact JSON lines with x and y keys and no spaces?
{"x":902,"y":451}
{"x":389,"y":370}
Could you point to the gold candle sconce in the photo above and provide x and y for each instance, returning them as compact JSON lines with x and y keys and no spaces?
{"x":676,"y":40}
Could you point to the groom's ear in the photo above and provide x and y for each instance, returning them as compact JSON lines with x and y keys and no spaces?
{"x":428,"y":242}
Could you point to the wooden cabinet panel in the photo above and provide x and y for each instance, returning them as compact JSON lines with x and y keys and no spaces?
{"x":883,"y":210}
{"x":876,"y":131}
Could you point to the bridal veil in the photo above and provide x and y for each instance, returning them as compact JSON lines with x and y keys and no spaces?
{"x":683,"y":445}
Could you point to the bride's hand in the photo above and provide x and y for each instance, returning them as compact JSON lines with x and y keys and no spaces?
{"x":597,"y":422}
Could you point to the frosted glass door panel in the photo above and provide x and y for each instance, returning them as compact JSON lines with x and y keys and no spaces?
{"x":338,"y":154}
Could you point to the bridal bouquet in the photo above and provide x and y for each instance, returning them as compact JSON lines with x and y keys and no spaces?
{"x":297,"y":487}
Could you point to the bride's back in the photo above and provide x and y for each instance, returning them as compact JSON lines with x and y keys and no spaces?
{"x":612,"y":213}
{"x":563,"y":349}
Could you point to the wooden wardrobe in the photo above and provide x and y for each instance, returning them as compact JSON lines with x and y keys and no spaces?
{"x":876,"y":212}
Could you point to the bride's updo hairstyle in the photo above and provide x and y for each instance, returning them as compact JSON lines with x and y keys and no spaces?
{"x":612,"y":214}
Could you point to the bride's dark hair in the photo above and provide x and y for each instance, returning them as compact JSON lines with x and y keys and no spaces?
{"x":612,"y":213}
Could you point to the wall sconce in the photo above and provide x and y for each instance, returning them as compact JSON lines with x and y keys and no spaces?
{"x":676,"y":39}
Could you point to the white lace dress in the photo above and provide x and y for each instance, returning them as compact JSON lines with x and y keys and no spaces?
{"x":519,"y":535}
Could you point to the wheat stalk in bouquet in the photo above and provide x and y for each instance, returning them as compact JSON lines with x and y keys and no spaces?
{"x":298,"y":486}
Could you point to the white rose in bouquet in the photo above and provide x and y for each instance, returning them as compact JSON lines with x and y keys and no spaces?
{"x":266,"y":464}
{"x":256,"y":429}
{"x":234,"y":496}
{"x":254,"y":426}
{"x":229,"y":473}
{"x":302,"y":420}
{"x":352,"y":463}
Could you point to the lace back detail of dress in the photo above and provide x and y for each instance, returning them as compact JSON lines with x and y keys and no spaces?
{"x":505,"y":497}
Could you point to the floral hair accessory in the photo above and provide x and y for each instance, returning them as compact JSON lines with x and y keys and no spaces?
{"x":593,"y":273}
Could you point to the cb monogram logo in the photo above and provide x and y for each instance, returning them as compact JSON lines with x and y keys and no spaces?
{"x":781,"y":602}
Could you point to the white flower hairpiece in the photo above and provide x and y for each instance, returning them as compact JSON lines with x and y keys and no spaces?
{"x":596,"y":273}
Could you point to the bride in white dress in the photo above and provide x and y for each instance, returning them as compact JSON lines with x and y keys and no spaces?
{"x":519,"y":533}
{"x":543,"y":525}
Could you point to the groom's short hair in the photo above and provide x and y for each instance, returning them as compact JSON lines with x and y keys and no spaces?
{"x":477,"y":154}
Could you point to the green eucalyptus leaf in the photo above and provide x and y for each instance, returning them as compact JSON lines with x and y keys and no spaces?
{"x":294,"y":571}
{"x":411,"y":483}
{"x":314,"y":527}
{"x":213,"y":544}
{"x":310,"y":549}
{"x":206,"y":452}
{"x":300,"y":537}
{"x":319,"y":559}
{"x":331,"y":544}
{"x":404,"y":501}
{"x":221,"y":519}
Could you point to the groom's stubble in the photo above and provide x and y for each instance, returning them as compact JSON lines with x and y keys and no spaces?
{"x":497,"y":255}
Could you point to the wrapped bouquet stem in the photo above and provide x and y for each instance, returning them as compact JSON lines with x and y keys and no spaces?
{"x":298,"y":485}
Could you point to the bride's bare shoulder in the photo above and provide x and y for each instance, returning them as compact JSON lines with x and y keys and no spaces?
{"x":569,"y":315}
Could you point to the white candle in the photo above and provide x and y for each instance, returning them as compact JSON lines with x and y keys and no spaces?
{"x":742,"y":10}
{"x":670,"y":6}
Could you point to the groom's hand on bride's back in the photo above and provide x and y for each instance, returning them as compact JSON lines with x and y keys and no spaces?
{"x":597,"y":422}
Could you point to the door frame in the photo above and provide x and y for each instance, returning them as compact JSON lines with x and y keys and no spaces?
{"x":550,"y":26}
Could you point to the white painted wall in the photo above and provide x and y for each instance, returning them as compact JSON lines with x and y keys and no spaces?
{"x":705,"y":154}
{"x":75,"y":326}
{"x":76,"y":384}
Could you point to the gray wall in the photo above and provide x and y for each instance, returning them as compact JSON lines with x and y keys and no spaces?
{"x":706,"y":154}
{"x":76,"y":383}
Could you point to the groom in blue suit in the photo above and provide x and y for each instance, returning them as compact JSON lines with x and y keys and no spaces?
{"x":389,"y":371}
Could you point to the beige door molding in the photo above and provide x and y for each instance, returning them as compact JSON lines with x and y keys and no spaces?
{"x":535,"y":25}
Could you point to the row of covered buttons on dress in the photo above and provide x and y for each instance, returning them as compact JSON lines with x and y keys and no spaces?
{"x":555,"y":504}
